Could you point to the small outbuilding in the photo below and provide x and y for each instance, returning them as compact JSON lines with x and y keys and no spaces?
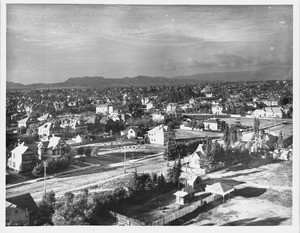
{"x":220,"y":188}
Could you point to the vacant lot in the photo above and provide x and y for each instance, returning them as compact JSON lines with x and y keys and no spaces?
{"x":187,"y":134}
{"x":263,"y":196}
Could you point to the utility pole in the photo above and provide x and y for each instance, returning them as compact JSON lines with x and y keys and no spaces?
{"x":45,"y":175}
{"x":124,"y":161}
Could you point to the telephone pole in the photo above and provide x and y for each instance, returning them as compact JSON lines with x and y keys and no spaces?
{"x":45,"y":175}
{"x":124,"y":161}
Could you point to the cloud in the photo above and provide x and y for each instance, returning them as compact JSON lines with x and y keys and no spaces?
{"x":168,"y":66}
{"x":231,"y":60}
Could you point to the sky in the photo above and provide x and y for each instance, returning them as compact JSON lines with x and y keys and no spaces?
{"x":51,"y":43}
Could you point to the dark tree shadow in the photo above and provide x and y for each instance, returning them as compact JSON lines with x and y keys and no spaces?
{"x":241,"y":174}
{"x":239,"y":222}
{"x":249,"y":222}
{"x":249,"y":192}
{"x":231,"y":182}
{"x":254,"y":163}
{"x":275,"y":221}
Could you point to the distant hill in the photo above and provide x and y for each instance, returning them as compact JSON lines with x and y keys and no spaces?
{"x":12,"y":85}
{"x":269,"y":73}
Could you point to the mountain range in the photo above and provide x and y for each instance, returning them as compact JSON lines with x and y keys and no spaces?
{"x":268,"y":73}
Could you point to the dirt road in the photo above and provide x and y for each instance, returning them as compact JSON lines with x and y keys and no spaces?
{"x":86,"y":178}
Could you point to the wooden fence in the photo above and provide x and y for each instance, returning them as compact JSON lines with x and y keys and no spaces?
{"x":182,"y":212}
{"x":126,"y":221}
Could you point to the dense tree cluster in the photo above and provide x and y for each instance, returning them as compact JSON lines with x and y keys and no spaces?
{"x":54,"y":166}
{"x":89,"y":209}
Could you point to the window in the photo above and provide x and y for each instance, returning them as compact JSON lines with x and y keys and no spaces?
{"x":16,"y":211}
{"x":13,"y":155}
{"x":14,"y":164}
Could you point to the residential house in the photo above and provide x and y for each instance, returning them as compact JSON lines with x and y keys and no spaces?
{"x":145,"y":100}
{"x":149,"y":105}
{"x":184,"y":195}
{"x":20,"y":210}
{"x":171,"y":107}
{"x":80,"y":139}
{"x":53,"y":148}
{"x":185,"y":106}
{"x":209,"y":95}
{"x":194,"y":159}
{"x":212,"y":124}
{"x":194,"y":182}
{"x":46,"y":130}
{"x":259,"y":113}
{"x":216,"y":109}
{"x":192,"y":102}
{"x":56,"y":105}
{"x":29,"y":108}
{"x":77,"y":126}
{"x":158,"y":117}
{"x":113,"y":109}
{"x":277,"y":112}
{"x":25,"y":122}
{"x":269,"y":112}
{"x":132,"y":132}
{"x":270,"y":102}
{"x":160,"y":135}
{"x":23,"y":157}
{"x":44,"y":117}
{"x":114,"y":115}
{"x":102,"y":108}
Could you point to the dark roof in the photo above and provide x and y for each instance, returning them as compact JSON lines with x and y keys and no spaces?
{"x":211,"y":121}
{"x":24,"y":201}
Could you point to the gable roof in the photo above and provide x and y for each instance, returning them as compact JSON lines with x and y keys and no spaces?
{"x":20,"y":149}
{"x":46,"y":125}
{"x":219,"y":188}
{"x":198,"y":151}
{"x":24,"y":120}
{"x":158,"y":128}
{"x":44,"y":117}
{"x":192,"y":179}
{"x":53,"y":142}
{"x":24,"y":201}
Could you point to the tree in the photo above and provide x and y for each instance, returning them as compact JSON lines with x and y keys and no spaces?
{"x":280,"y":140}
{"x":80,"y":150}
{"x":38,"y":170}
{"x":46,"y":209}
{"x":233,"y":134}
{"x":174,"y":172}
{"x":88,"y":152}
{"x":256,"y":124}
{"x":72,"y":211}
{"x":161,"y":181}
{"x":94,"y":152}
{"x":32,"y":131}
{"x":226,"y":135}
